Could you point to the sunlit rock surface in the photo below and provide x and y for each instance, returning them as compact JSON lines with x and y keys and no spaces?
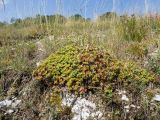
{"x":156,"y":98}
{"x":82,"y":108}
{"x":10,"y":104}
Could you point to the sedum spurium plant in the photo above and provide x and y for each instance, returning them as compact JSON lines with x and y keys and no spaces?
{"x":76,"y":68}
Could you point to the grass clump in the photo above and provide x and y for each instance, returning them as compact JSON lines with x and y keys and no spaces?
{"x":134,"y":28}
{"x":137,"y":50}
{"x":154,"y":63}
{"x":88,"y":68}
{"x":17,"y":57}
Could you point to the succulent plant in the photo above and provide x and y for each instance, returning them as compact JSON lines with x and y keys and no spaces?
{"x":88,"y":68}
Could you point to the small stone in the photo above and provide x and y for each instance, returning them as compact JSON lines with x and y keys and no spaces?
{"x":124,"y":98}
{"x":82,"y":109}
{"x":121,"y":92}
{"x":126,"y":107}
{"x":127,"y":110}
{"x":5,"y":103}
{"x":138,"y":107}
{"x":99,"y":114}
{"x":156,"y":98}
{"x":9,"y":111}
{"x":38,"y":64}
{"x":133,"y":106}
{"x":14,"y":104}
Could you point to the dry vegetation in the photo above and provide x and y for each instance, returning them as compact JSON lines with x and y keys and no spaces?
{"x":132,"y":63}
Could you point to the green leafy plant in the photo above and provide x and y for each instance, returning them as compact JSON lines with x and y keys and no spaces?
{"x":108,"y":91}
{"x":76,"y":68}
